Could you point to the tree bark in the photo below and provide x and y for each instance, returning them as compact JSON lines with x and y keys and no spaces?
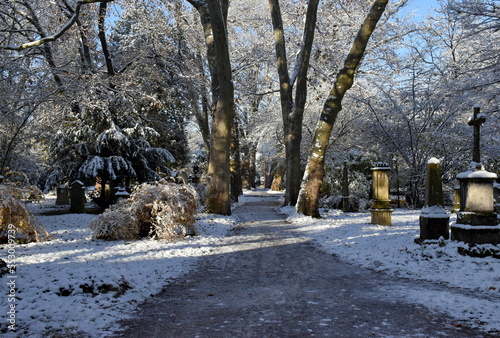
{"x":293,"y":112}
{"x":202,"y":8}
{"x":102,"y":38}
{"x":218,"y":194}
{"x":313,"y":176}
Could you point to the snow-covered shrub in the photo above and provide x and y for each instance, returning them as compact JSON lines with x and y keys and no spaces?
{"x":117,"y":222}
{"x":161,"y":211}
{"x":16,"y":219}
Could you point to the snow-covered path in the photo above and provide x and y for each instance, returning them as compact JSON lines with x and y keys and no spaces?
{"x":269,"y":279}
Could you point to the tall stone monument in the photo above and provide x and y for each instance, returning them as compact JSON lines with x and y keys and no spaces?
{"x":477,"y":221}
{"x":434,"y":219}
{"x":381,"y":212}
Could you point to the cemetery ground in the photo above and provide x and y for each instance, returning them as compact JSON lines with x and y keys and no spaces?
{"x":253,"y":274}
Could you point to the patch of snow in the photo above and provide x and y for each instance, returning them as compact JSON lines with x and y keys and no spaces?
{"x":434,"y":211}
{"x":475,"y":227}
{"x":477,"y":174}
{"x":434,"y":161}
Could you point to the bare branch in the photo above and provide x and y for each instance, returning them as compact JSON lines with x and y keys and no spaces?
{"x":58,"y":34}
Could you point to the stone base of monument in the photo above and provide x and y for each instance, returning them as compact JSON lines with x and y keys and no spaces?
{"x":476,"y":234}
{"x":477,"y":217}
{"x":381,"y":216}
{"x":434,"y":224}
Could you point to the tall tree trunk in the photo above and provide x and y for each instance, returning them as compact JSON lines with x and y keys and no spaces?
{"x":293,"y":112}
{"x":202,"y":8}
{"x":218,"y":194}
{"x":313,"y":176}
{"x":102,"y":38}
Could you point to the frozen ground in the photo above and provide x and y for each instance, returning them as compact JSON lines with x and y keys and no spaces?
{"x":74,"y":285}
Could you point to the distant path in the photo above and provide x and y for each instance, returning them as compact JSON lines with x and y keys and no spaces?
{"x":274,"y":283}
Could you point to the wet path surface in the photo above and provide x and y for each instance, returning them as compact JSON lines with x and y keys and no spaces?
{"x":266,"y":281}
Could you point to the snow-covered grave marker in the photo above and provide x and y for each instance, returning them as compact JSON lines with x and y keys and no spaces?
{"x":434,"y":219}
{"x":477,"y":221}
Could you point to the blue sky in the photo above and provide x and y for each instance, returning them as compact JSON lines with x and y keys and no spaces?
{"x":421,"y":7}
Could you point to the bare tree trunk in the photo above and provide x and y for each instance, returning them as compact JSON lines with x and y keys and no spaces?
{"x":293,"y":112}
{"x":313,"y":176}
{"x":102,"y":38}
{"x":218,"y":194}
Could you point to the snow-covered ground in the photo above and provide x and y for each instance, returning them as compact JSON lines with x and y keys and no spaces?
{"x":473,"y":283}
{"x":74,"y":284}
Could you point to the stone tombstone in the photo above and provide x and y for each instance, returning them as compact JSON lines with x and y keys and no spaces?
{"x":62,"y":195}
{"x":477,"y":221}
{"x":381,"y":212}
{"x":78,"y":198}
{"x":434,"y":219}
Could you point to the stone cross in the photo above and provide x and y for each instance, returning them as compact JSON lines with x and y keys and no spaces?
{"x":476,"y":121}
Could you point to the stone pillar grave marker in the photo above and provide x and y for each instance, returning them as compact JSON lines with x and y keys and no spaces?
{"x":434,"y":219}
{"x":381,"y":212}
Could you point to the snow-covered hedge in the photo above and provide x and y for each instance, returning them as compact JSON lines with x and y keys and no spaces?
{"x":160,"y":211}
{"x":17,"y":223}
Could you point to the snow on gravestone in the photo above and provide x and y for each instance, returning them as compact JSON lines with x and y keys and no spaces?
{"x":477,"y":221}
{"x":434,"y":219}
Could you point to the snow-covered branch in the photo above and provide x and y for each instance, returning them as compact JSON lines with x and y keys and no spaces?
{"x":58,"y":34}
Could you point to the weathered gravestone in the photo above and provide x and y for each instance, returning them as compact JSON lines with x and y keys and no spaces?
{"x":62,"y":195}
{"x":381,"y":212}
{"x":477,"y":221}
{"x":434,"y":219}
{"x":78,"y":198}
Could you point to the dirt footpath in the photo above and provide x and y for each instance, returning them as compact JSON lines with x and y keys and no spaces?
{"x":264,"y":280}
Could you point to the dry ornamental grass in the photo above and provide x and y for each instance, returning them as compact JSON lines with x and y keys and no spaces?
{"x":160,"y":211}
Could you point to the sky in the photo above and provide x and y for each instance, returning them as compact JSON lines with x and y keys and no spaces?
{"x":422,"y":7}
